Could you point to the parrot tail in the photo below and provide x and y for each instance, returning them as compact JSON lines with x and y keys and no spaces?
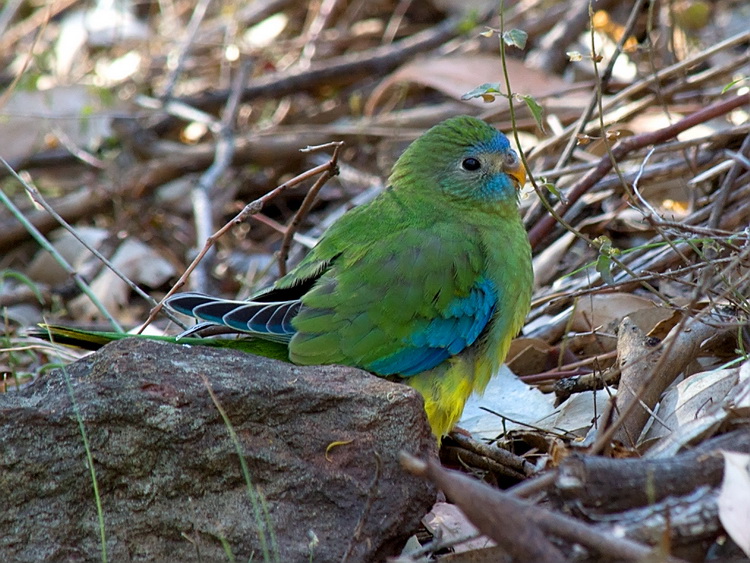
{"x":269,"y":320}
{"x":93,"y":340}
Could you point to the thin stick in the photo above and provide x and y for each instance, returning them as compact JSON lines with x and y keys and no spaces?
{"x":595,"y":100}
{"x":250,"y":209}
{"x":302,"y":212}
{"x":379,"y":60}
{"x":200,"y":195}
{"x":199,"y":12}
{"x":625,"y":146}
{"x":45,"y":244}
{"x":726,"y":186}
{"x":38,"y":18}
{"x":636,"y":88}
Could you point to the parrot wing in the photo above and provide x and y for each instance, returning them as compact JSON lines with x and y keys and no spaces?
{"x":399,"y":305}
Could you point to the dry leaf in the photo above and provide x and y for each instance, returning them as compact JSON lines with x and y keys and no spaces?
{"x":735,"y":404}
{"x":528,"y":355}
{"x":734,"y":499}
{"x":578,"y":413}
{"x":447,"y":522}
{"x":738,"y":399}
{"x":663,"y":323}
{"x":509,"y":396}
{"x":137,"y":262}
{"x":690,"y":399}
{"x":602,"y":310}
{"x":547,"y":263}
{"x":45,"y":269}
{"x":455,"y":75}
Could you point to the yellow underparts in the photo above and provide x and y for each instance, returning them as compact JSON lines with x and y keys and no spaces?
{"x":447,"y":387}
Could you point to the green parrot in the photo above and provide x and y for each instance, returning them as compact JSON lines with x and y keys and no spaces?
{"x":428,"y":283}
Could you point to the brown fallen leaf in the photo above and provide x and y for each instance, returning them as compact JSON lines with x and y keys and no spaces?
{"x":734,"y":499}
{"x":602,"y":310}
{"x":454,"y":75}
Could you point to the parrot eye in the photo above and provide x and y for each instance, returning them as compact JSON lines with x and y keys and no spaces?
{"x":471,"y":164}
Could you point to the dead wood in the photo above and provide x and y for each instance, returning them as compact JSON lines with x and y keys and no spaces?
{"x":520,"y":527}
{"x":601,"y":485}
{"x":646,"y":371}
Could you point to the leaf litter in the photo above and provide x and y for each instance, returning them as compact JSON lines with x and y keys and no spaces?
{"x":635,"y":351}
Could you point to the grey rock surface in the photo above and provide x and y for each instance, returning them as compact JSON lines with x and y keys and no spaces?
{"x":320,"y":444}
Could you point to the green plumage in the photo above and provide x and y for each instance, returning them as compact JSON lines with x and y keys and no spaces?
{"x":428,"y":282}
{"x":393,"y":266}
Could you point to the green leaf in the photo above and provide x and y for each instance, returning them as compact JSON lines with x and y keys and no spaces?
{"x":23,"y":279}
{"x":604,"y":260}
{"x":535,"y":109}
{"x":604,"y":267}
{"x":729,"y":86}
{"x":515,"y":38}
{"x":485,"y":91}
{"x":106,"y":96}
{"x":552,"y":188}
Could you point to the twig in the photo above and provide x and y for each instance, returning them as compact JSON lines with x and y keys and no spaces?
{"x":77,"y":152}
{"x":499,"y":455}
{"x":249,"y":13}
{"x":533,"y":486}
{"x":605,"y":138}
{"x":609,"y":485}
{"x":539,"y":429}
{"x":37,"y":19}
{"x":45,"y":244}
{"x":8,"y":13}
{"x":469,"y":459}
{"x":435,"y":545}
{"x":379,"y":60}
{"x":667,"y":147}
{"x":312,"y":36}
{"x":308,"y":201}
{"x":550,"y":55}
{"x":643,"y":386}
{"x":726,"y":186}
{"x":39,"y":199}
{"x":180,"y":110}
{"x":200,"y":195}
{"x":595,"y":100}
{"x":546,"y":223}
{"x":250,"y":209}
{"x":199,"y":12}
{"x":638,"y":87}
{"x":26,"y":61}
{"x":395,"y":21}
{"x":514,"y":523}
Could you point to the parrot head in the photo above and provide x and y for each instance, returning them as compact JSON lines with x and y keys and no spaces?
{"x":466,"y":159}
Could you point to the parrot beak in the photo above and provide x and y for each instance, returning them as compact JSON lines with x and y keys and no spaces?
{"x":518,"y":172}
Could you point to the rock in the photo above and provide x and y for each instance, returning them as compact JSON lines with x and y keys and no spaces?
{"x":320,"y":444}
